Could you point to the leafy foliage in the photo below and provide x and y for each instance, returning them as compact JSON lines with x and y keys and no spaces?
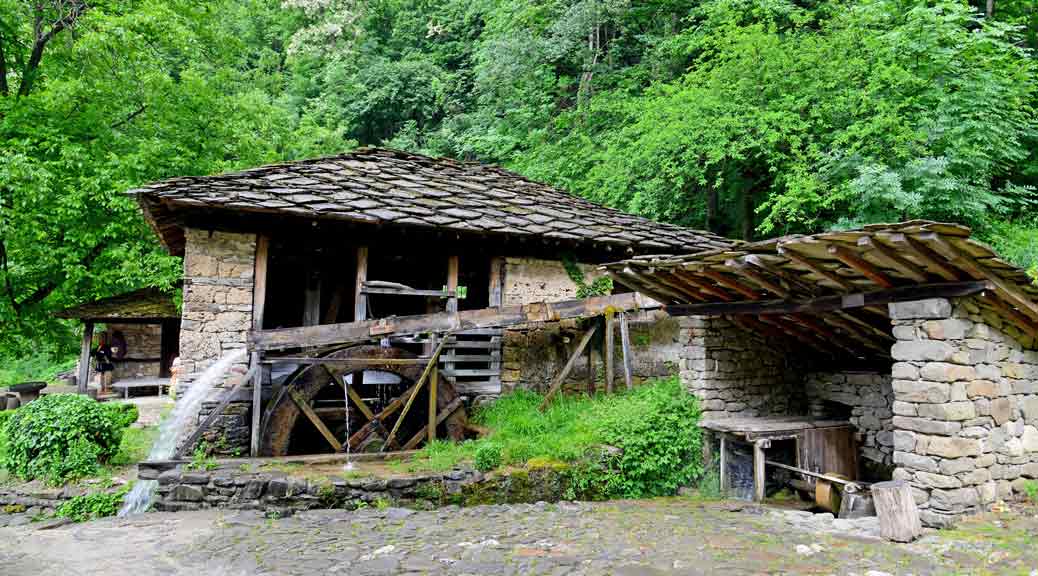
{"x":488,"y":457}
{"x":92,"y":506}
{"x":61,"y":437}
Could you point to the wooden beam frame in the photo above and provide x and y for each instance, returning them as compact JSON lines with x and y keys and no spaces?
{"x":852,"y":259}
{"x":429,"y":368}
{"x":687,"y":276}
{"x":607,"y":349}
{"x":259,"y":305}
{"x":757,"y":277}
{"x":731,"y":283}
{"x":806,"y":262}
{"x":561,"y":377}
{"x":497,"y":317}
{"x":897,"y":262}
{"x":625,"y":349}
{"x":930,"y":259}
{"x":830,"y":303}
{"x":360,"y":299}
{"x":305,"y":408}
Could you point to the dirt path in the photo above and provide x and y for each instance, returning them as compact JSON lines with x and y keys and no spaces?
{"x":667,"y":536}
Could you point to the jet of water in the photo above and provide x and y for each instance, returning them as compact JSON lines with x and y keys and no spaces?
{"x":185,"y":411}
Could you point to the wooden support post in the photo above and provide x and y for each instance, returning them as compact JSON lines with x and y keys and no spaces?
{"x":83,"y":378}
{"x":259,"y":301}
{"x":722,"y":476}
{"x":625,"y":347}
{"x":590,"y":370}
{"x":561,"y":378}
{"x":610,"y":329}
{"x":497,"y":281}
{"x":434,"y":384}
{"x":897,"y":512}
{"x":360,"y":300}
{"x":433,"y":360}
{"x":759,"y":479}
{"x":312,"y":287}
{"x":421,"y":434}
{"x":452,"y":283}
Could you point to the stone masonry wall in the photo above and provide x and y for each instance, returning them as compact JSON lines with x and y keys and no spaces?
{"x":217,"y":314}
{"x":530,"y":280}
{"x":736,"y":373}
{"x":870,"y":397}
{"x":142,"y":341}
{"x":965,"y":406}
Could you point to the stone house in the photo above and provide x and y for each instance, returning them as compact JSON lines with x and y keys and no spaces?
{"x":380,"y":233}
{"x":918,"y":337}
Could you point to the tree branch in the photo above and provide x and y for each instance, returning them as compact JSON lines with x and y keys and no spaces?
{"x":7,"y":278}
{"x":3,"y":69}
{"x":42,"y":292}
{"x":130,"y":118}
{"x":41,"y":39}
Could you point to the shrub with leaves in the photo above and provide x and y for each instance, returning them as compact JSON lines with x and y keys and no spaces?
{"x":61,"y":437}
{"x":488,"y":457}
{"x":91,"y":506}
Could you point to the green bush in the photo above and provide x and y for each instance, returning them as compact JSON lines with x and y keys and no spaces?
{"x":61,"y":437}
{"x":91,"y":506}
{"x":488,"y":457}
{"x":122,"y":413}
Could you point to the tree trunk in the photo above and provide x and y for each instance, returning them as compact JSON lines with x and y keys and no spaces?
{"x":747,"y":214}
{"x":711,"y":209}
{"x":990,"y":8}
{"x":895,"y":507}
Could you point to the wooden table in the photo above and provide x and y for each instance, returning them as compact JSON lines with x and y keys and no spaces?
{"x":126,"y":385}
{"x":825,"y":444}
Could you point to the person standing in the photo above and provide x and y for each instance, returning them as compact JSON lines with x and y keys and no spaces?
{"x":103,"y":363}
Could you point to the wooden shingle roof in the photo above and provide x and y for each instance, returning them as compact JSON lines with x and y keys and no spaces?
{"x":143,"y":304}
{"x":817,"y":288}
{"x":381,"y":186}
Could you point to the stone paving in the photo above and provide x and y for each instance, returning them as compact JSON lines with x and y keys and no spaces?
{"x":665,"y":536}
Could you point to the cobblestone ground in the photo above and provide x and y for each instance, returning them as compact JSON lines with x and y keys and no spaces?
{"x":666,"y":536}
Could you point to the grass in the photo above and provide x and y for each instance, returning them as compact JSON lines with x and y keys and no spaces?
{"x":135,"y":445}
{"x":31,"y":368}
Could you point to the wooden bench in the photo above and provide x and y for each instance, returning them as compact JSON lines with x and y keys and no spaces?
{"x":126,"y":385}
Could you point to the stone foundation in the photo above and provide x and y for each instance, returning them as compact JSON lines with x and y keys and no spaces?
{"x":965,"y":407}
{"x":217,"y":314}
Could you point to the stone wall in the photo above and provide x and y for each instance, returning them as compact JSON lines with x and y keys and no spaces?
{"x":870,"y":398}
{"x":965,"y":406}
{"x":533,"y":355}
{"x":736,"y":373}
{"x":143,"y":341}
{"x":217,"y":314}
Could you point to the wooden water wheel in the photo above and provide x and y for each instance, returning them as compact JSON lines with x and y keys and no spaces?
{"x":315,"y":396}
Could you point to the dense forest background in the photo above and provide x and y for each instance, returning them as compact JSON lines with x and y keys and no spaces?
{"x":748,"y":117}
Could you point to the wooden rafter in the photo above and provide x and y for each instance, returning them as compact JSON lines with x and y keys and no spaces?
{"x":958,"y":257}
{"x":853,"y":260}
{"x":818,"y":269}
{"x":305,"y":408}
{"x":930,"y":259}
{"x":732,"y":284}
{"x":703,"y":286}
{"x":897,"y":262}
{"x":760,"y":279}
{"x":791,"y":279}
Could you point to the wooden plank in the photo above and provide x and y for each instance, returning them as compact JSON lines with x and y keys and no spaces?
{"x":346,"y":361}
{"x":360,"y":300}
{"x":351,"y":392}
{"x":731,"y":283}
{"x":757,"y":261}
{"x":590,"y":371}
{"x":760,"y":279}
{"x":722,"y":479}
{"x":1005,"y":290}
{"x":414,"y":394}
{"x":759,"y":479}
{"x":469,"y":372}
{"x":894,"y":260}
{"x":505,"y":316}
{"x":376,"y":422}
{"x":933,"y":262}
{"x":851,"y":258}
{"x":85,"y":348}
{"x":497,"y":281}
{"x":607,"y":350}
{"x":470,"y":357}
{"x":703,"y":286}
{"x":625,"y":349}
{"x":407,"y":292}
{"x":257,"y":405}
{"x":452,"y":283}
{"x":561,"y":377}
{"x":829,"y":303}
{"x":212,"y":416}
{"x":315,"y":420}
{"x":434,"y":385}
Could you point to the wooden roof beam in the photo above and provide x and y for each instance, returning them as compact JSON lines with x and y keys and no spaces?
{"x":806,"y":262}
{"x":855,"y":332}
{"x":1005,"y":290}
{"x":829,"y":336}
{"x":851,"y":259}
{"x":777,"y":271}
{"x":732,"y":284}
{"x":897,"y":262}
{"x":665,"y":277}
{"x":798,"y":333}
{"x":633,"y":283}
{"x":1015,"y":317}
{"x":689,"y":277}
{"x":933,"y":262}
{"x":762,"y":281}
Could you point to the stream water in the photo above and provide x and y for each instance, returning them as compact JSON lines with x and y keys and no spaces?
{"x":186,"y":411}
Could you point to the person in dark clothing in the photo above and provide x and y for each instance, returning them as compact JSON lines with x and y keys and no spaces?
{"x":103,"y":362}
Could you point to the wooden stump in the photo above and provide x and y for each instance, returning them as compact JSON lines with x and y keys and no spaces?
{"x":897,"y":512}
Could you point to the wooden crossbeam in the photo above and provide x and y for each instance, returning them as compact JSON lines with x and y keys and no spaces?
{"x":625,"y":349}
{"x":305,"y":408}
{"x":561,"y":377}
{"x":933,"y":262}
{"x":351,"y":393}
{"x":851,"y":258}
{"x":424,"y":432}
{"x":656,"y":285}
{"x":494,"y":317}
{"x":757,"y":277}
{"x":958,"y":257}
{"x":667,"y":278}
{"x":896,"y":261}
{"x":689,"y":277}
{"x":732,"y":284}
{"x":376,"y":422}
{"x":779,"y":272}
{"x":829,"y":303}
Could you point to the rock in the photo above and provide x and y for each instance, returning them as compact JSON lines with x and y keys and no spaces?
{"x":933,"y":308}
{"x":253,"y":490}
{"x":937,"y":480}
{"x":916,"y":391}
{"x":953,"y":447}
{"x":1029,"y":439}
{"x":280,"y":488}
{"x":953,"y":411}
{"x":947,"y":329}
{"x":398,"y":513}
{"x":195,"y":478}
{"x":1001,"y":410}
{"x":944,"y":372}
{"x":981,"y":388}
{"x":954,"y":500}
{"x":915,"y":461}
{"x":805,"y":550}
{"x":400,"y":483}
{"x":1029,"y":408}
{"x":955,"y":466}
{"x":922,"y":351}
{"x":53,"y":523}
{"x":169,"y":477}
{"x":187,"y":493}
{"x":925,"y":426}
